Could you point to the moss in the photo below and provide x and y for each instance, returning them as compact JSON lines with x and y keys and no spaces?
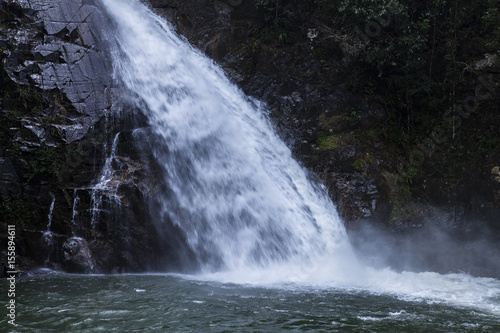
{"x":360,"y":164}
{"x":332,"y":121}
{"x":401,"y":195}
{"x":329,"y":142}
{"x":401,"y":212}
{"x":23,"y":100}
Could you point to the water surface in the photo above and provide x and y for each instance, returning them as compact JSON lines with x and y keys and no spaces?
{"x":175,"y":303}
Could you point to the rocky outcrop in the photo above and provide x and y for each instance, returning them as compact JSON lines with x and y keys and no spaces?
{"x":54,"y":48}
{"x":72,"y":177}
{"x":77,"y":256}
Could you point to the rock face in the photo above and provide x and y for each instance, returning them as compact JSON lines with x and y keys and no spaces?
{"x":60,"y":51}
{"x":77,"y":256}
{"x":70,"y":168}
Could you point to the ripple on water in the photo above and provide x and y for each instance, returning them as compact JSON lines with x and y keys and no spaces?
{"x":175,"y":304}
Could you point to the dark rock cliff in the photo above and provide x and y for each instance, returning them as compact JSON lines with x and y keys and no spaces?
{"x":72,"y":176}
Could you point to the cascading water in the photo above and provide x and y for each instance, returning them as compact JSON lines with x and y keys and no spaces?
{"x":246,"y":207}
{"x":105,"y":183}
{"x":238,"y":194}
{"x":74,"y":209}
{"x":47,"y":235}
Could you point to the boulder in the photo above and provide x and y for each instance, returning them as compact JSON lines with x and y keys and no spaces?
{"x":77,"y":256}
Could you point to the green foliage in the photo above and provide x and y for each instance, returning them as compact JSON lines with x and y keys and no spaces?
{"x":401,"y":195}
{"x":284,"y":39}
{"x":401,"y":212}
{"x":329,"y":142}
{"x":365,"y":10}
{"x":23,"y":99}
{"x":272,"y":12}
{"x":418,"y":58}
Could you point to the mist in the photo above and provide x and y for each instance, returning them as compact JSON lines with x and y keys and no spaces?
{"x":430,"y":247}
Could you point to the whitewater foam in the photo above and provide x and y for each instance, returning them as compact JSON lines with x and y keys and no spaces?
{"x":454,"y":289}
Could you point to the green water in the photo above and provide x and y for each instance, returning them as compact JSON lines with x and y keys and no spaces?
{"x":171,"y":303}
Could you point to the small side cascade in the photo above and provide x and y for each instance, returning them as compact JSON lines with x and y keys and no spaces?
{"x":106,"y":185}
{"x":74,"y":214}
{"x":47,"y":234}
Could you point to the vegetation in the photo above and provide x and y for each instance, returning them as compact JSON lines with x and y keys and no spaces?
{"x":434,"y":65}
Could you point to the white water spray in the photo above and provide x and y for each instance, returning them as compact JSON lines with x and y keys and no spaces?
{"x":247,"y":208}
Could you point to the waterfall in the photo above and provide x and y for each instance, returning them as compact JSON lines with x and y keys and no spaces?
{"x":247,"y":209}
{"x":235,"y":191}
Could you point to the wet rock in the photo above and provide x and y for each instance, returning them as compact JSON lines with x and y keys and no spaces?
{"x":354,"y":181}
{"x":57,"y":93}
{"x":358,"y":197}
{"x":77,"y":256}
{"x":105,"y":255}
{"x":63,"y":48}
{"x":490,"y":63}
